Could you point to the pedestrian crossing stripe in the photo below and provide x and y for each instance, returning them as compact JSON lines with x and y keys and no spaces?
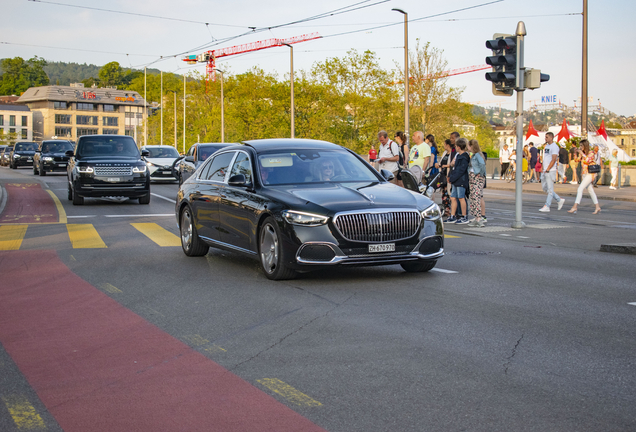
{"x":85,"y":236}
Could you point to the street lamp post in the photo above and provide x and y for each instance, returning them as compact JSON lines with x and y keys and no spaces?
{"x":222,"y":107}
{"x":145,"y":112}
{"x":406,"y":71}
{"x":291,"y":78}
{"x":184,"y":112}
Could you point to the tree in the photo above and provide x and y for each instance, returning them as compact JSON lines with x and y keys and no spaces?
{"x":19,"y":75}
{"x":111,"y":75}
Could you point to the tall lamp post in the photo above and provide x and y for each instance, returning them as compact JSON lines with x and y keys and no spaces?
{"x":145,"y":112}
{"x":406,"y":71}
{"x":184,"y":112}
{"x":584,"y":77}
{"x":291,"y":78}
{"x":222,"y":107}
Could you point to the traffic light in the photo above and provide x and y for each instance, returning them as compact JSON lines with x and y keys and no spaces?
{"x":504,"y":64}
{"x":534,"y":78}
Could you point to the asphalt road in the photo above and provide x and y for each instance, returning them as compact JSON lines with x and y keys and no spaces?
{"x":524,"y":330}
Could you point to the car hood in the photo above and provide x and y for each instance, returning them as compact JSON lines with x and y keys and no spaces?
{"x":161,"y":161}
{"x":338,"y":197}
{"x":24,"y":152}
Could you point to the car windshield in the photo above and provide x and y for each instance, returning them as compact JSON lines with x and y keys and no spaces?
{"x":103,"y":146}
{"x":313,"y":166}
{"x":162,"y":152}
{"x":26,"y":146}
{"x":205,"y":151}
{"x":56,"y":146}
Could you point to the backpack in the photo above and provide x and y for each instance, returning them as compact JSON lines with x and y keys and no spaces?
{"x":401,"y":159}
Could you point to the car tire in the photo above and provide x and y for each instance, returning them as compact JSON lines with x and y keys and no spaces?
{"x":270,"y":252}
{"x":77,"y":199}
{"x":145,"y":199}
{"x":70,"y":192}
{"x":418,"y":267}
{"x":191,"y":243}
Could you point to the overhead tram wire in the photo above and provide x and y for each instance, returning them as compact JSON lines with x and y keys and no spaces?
{"x":76,"y":49}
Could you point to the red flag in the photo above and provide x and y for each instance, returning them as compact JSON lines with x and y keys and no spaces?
{"x":531,"y":131}
{"x":564,"y":133}
{"x":602,"y":131}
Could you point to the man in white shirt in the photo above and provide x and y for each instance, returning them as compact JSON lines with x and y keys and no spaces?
{"x":388,"y":155}
{"x":504,"y":159}
{"x":420,"y":152}
{"x":548,"y":176}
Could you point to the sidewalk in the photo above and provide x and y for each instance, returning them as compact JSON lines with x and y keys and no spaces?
{"x":567,"y":190}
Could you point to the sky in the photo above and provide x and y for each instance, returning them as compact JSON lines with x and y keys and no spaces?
{"x":158,"y":33}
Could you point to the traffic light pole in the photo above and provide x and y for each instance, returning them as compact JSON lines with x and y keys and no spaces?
{"x":520,"y":88}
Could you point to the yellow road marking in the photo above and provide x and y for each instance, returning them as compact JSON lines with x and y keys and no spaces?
{"x":157,"y":234}
{"x":196,"y":340}
{"x":110,"y":288}
{"x":84,"y":236}
{"x":213,"y":349}
{"x":61,"y":214}
{"x":288,"y":392}
{"x":450,"y":236}
{"x":11,"y":236}
{"x":23,"y":413}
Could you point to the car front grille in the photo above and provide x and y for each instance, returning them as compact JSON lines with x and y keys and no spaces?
{"x":378,"y":227}
{"x":113,"y":171}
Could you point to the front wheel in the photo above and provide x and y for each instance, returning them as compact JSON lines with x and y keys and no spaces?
{"x":271,"y":252}
{"x":77,"y":199}
{"x":418,"y":267}
{"x":190,"y":241}
{"x":145,"y":199}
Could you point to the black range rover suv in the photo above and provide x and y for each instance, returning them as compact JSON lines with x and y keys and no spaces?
{"x":107,"y":165}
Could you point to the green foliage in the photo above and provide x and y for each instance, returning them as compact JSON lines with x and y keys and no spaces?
{"x":18,"y":75}
{"x":8,"y":138}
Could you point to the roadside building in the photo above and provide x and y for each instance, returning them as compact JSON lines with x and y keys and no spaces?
{"x":625,"y":139}
{"x":18,"y":120}
{"x":72,"y":111}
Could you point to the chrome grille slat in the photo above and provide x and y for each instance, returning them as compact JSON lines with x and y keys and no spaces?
{"x":377,"y":227}
{"x":107,"y":171}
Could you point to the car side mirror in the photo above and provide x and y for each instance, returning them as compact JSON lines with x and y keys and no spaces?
{"x":388,"y":175}
{"x":189,"y":159}
{"x":70,"y":153}
{"x":238,"y":180}
{"x":145,"y":153}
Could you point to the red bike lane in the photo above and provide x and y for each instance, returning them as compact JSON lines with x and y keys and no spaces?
{"x":97,"y":366}
{"x":28,"y":203}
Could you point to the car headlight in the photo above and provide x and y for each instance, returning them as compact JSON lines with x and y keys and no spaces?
{"x":15,"y":156}
{"x":304,"y":219}
{"x":48,"y":159}
{"x":432,"y":212}
{"x":85,"y":170}
{"x":139,"y":169}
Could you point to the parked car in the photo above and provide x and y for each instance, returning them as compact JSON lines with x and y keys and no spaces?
{"x":299,"y":205}
{"x":51,"y":157}
{"x":160,"y":160}
{"x":5,"y":155}
{"x":107,"y":165}
{"x":22,"y":154}
{"x":197,"y":154}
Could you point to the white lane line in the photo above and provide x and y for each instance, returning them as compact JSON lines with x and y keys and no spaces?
{"x":439,"y":270}
{"x":163,"y":197}
{"x":140,"y":215}
{"x":506,"y":235}
{"x":523,"y":237}
{"x":85,"y":216}
{"x":631,"y":304}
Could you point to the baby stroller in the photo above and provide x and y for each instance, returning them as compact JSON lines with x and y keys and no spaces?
{"x":426,"y":184}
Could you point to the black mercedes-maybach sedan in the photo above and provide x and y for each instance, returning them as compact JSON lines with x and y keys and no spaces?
{"x":300,"y":205}
{"x":107,"y":166}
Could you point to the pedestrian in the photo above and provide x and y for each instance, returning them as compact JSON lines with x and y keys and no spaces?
{"x":548,"y":176}
{"x":373,"y":155}
{"x":504,"y":160}
{"x":400,"y":139}
{"x":389,"y":155}
{"x":587,"y":159}
{"x":564,"y":160}
{"x":477,"y":179}
{"x":575,"y":158}
{"x":525,"y":166}
{"x":444,"y":165}
{"x":430,"y":140}
{"x":613,"y":160}
{"x":459,"y":179}
{"x":599,"y":161}
{"x":534,"y":156}
{"x":420,"y":154}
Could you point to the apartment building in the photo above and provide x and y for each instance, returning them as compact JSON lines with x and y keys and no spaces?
{"x":18,"y":120}
{"x":72,"y":111}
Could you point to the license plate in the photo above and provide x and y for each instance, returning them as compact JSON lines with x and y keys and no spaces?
{"x":167,"y":172}
{"x":386,"y":247}
{"x":30,"y":160}
{"x":113,"y":179}
{"x":61,"y":165}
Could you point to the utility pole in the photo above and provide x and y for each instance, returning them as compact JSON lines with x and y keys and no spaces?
{"x":406,"y":72}
{"x":222,"y":106}
{"x":184,"y":112}
{"x":161,"y":107}
{"x":176,"y":144}
{"x":145,"y":112}
{"x":520,"y":88}
{"x":584,"y":75}
{"x":291,"y":79}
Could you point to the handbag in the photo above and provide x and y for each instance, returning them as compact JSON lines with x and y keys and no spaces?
{"x":593,"y":169}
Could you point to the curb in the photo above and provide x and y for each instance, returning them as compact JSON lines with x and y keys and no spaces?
{"x":627,"y":248}
{"x":568,"y":194}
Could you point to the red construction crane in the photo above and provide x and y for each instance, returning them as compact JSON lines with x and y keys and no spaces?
{"x":209,"y":57}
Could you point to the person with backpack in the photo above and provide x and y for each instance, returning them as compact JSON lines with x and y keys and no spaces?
{"x":389,"y":155}
{"x":400,"y":139}
{"x":458,"y":178}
